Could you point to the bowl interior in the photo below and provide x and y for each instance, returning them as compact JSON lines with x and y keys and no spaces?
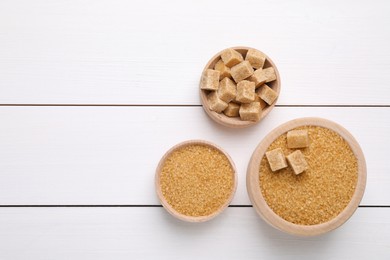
{"x":164,"y":202}
{"x":259,"y":201}
{"x":236,"y":122}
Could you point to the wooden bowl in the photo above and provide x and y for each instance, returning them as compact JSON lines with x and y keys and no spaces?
{"x":236,"y":122}
{"x":164,"y":202}
{"x":259,"y":202}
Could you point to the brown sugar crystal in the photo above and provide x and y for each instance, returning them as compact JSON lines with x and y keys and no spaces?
{"x":276,"y":159}
{"x":297,"y":139}
{"x":231,"y":57}
{"x":210,"y":80}
{"x":241,"y":71}
{"x":297,"y":162}
{"x":325,"y":188}
{"x":224,"y":71}
{"x":197,"y":180}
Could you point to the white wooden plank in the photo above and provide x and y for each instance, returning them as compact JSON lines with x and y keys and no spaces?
{"x":108,"y":155}
{"x":152,"y":52}
{"x":150,"y":233}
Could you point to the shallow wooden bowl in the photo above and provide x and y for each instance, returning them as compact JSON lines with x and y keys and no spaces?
{"x":236,"y":122}
{"x":275,"y":220}
{"x":168,"y":207}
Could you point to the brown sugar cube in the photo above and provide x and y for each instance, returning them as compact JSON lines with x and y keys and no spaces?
{"x":258,"y":78}
{"x":245,"y":91}
{"x":297,"y":162}
{"x":256,"y":58}
{"x":250,"y":112}
{"x":215,"y":103}
{"x":297,"y":139}
{"x":227,"y":90}
{"x":231,"y":57}
{"x":267,"y":94}
{"x":232,"y":110}
{"x":210,"y":80}
{"x":241,"y":71}
{"x":224,"y":71}
{"x":262,"y":102}
{"x":276,"y":159}
{"x":262,"y":76}
{"x":257,"y":98}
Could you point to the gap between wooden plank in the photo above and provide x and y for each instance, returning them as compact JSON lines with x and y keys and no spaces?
{"x":160,"y":105}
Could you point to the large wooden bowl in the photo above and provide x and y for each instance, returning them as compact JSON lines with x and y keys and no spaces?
{"x":164,"y":202}
{"x":260,"y":204}
{"x":236,"y":122}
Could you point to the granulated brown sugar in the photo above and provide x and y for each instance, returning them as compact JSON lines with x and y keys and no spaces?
{"x":197,"y":180}
{"x":320,"y":193}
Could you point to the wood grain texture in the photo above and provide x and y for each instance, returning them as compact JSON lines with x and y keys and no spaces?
{"x":150,"y":52}
{"x":259,"y":202}
{"x":151,"y":233}
{"x":108,"y":155}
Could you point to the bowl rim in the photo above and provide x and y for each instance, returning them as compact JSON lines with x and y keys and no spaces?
{"x":164,"y":202}
{"x":261,"y":206}
{"x":229,"y":121}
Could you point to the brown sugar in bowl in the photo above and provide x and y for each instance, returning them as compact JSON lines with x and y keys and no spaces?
{"x":195,"y":180}
{"x":291,"y":209}
{"x":236,"y":122}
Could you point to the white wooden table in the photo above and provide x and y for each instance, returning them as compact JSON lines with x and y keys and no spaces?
{"x":93,"y":93}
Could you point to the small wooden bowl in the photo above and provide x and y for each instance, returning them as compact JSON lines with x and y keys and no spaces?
{"x":259,"y":202}
{"x":236,"y":122}
{"x":164,"y":202}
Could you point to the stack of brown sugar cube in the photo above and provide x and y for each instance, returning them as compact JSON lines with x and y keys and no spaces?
{"x":296,"y":159}
{"x":237,"y":85}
